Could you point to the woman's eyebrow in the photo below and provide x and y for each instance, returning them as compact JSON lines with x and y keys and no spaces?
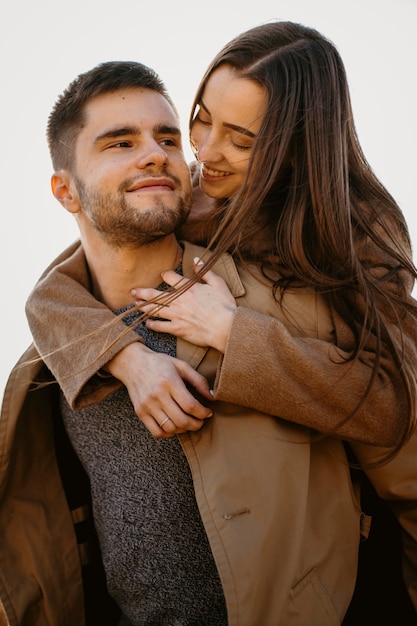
{"x":239,"y":129}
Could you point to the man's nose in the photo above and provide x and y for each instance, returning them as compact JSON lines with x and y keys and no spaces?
{"x":152,"y":154}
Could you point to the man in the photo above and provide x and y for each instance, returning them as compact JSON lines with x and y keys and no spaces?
{"x":225,"y":524}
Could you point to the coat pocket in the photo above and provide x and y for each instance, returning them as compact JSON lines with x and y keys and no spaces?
{"x":312,"y":602}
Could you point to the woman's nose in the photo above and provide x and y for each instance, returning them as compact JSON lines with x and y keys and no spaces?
{"x":207,"y":146}
{"x":209,"y":151}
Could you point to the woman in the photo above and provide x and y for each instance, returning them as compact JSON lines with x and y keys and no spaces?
{"x":323,"y":221}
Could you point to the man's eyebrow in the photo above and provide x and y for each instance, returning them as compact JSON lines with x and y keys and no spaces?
{"x":124,"y":131}
{"x":239,"y":129}
{"x":118,"y":131}
{"x":165,"y":129}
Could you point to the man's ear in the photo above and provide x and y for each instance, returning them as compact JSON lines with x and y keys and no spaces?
{"x":62,"y":186}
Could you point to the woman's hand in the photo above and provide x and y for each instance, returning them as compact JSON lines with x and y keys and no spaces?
{"x":202,"y":315}
{"x":156,"y":386}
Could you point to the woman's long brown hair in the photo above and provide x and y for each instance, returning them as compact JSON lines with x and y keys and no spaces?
{"x":311,"y":212}
{"x":311,"y":207}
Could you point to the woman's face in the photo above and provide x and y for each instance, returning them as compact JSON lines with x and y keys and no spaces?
{"x":226,"y":123}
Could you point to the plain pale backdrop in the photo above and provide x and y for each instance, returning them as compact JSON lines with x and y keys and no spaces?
{"x":45,"y":44}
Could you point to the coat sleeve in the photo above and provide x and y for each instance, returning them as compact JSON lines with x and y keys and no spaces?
{"x":304,"y":380}
{"x":74,"y":333}
{"x":311,"y":382}
{"x":299,"y":379}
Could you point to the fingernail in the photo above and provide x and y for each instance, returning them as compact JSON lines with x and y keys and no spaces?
{"x":198,"y":261}
{"x":212,"y":392}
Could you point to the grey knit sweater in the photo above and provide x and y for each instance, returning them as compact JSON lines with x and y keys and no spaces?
{"x":158,"y":562}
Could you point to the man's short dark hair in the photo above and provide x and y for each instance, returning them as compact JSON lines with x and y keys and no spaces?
{"x":67,"y":117}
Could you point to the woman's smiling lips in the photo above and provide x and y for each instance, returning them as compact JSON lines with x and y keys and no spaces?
{"x":210,"y":174}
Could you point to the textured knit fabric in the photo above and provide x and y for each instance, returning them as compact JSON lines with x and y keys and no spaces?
{"x":157,"y":558}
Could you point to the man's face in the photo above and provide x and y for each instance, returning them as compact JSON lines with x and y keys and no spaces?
{"x":131,"y":177}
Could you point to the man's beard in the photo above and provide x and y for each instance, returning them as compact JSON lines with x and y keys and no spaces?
{"x":122,"y":225}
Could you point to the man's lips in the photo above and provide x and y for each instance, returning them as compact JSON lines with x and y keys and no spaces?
{"x":152,"y":184}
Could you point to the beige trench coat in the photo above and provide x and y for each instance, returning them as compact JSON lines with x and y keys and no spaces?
{"x":279,"y":508}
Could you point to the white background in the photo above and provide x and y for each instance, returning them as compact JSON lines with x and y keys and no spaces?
{"x":45,"y":44}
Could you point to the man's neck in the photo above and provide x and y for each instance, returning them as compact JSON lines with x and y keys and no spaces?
{"x":115,"y":272}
